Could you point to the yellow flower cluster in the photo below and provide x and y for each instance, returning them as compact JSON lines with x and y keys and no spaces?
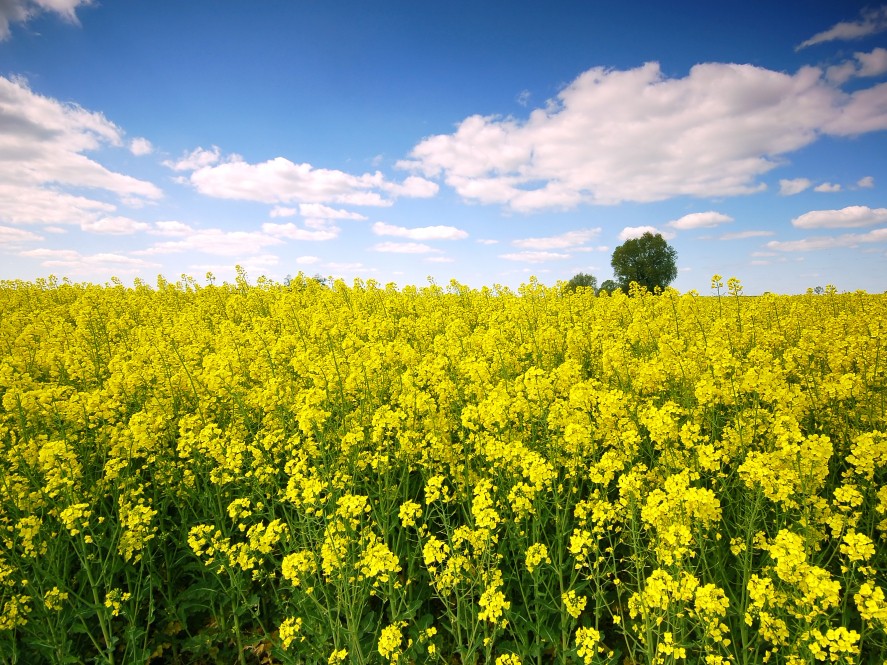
{"x":76,"y":517}
{"x":290,"y":630}
{"x":329,"y":472}
{"x":536,"y":555}
{"x":391,"y":642}
{"x":492,"y":601}
{"x":573,"y":603}
{"x":114,"y":600}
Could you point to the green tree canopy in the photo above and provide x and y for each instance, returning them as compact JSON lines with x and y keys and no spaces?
{"x":648,"y":260}
{"x":609,"y":286}
{"x":582,"y":280}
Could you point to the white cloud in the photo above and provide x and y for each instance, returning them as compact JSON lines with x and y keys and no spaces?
{"x":321,"y":225}
{"x":420,"y":233}
{"x":829,"y":242}
{"x":700,"y":220}
{"x":253,"y":265}
{"x":21,"y":11}
{"x":403,"y":248}
{"x":637,"y":135}
{"x":742,"y":235}
{"x":412,"y":187}
{"x":43,"y":150}
{"x":56,"y":254}
{"x":280,"y":211}
{"x":293,"y":232}
{"x":534,"y":257}
{"x":73,"y":262}
{"x":171,"y":228}
{"x":281,"y":181}
{"x":570,"y":239}
{"x":630,"y":232}
{"x":11,"y":236}
{"x":214,"y":241}
{"x":842,"y":72}
{"x":523,"y":97}
{"x":196,"y":159}
{"x":439,"y":259}
{"x":865,"y":111}
{"x":23,"y":204}
{"x":866,"y":182}
{"x":114,"y":226}
{"x":872,"y":21}
{"x":140,"y":146}
{"x":307,"y":260}
{"x":845,"y":218}
{"x":487,"y":241}
{"x":47,"y":139}
{"x":827,"y":187}
{"x":793,"y":186}
{"x":319,"y":211}
{"x":873,"y":63}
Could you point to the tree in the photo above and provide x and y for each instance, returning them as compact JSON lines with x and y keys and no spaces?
{"x":609,"y":286}
{"x":582,"y":280}
{"x":648,"y":260}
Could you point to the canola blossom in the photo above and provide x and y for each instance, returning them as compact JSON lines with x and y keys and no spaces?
{"x":309,"y":473}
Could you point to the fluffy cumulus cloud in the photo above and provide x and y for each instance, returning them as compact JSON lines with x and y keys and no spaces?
{"x":280,"y":181}
{"x":637,"y":135}
{"x":140,"y":147}
{"x":196,"y":159}
{"x":553,"y":248}
{"x":742,"y":235}
{"x":253,"y":265}
{"x":420,"y":232}
{"x":282,"y":211}
{"x":319,"y":211}
{"x":13,"y":237}
{"x":291,"y":231}
{"x":630,"y":232}
{"x":845,"y":218}
{"x":790,"y":187}
{"x":866,"y":182}
{"x":216,"y":242}
{"x":76,"y":263}
{"x":535,"y":257}
{"x":20,"y":11}
{"x":29,"y":204}
{"x":171,"y":228}
{"x":870,"y":22}
{"x":43,"y":151}
{"x":568,"y":240}
{"x":873,"y":63}
{"x":114,"y":226}
{"x":700,"y":220}
{"x":827,"y":187}
{"x":404,"y":248}
{"x":829,"y":242}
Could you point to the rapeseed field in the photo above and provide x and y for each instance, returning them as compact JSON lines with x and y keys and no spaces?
{"x":260,"y":473}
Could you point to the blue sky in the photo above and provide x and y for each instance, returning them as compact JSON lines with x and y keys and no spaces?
{"x":481,"y":141}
